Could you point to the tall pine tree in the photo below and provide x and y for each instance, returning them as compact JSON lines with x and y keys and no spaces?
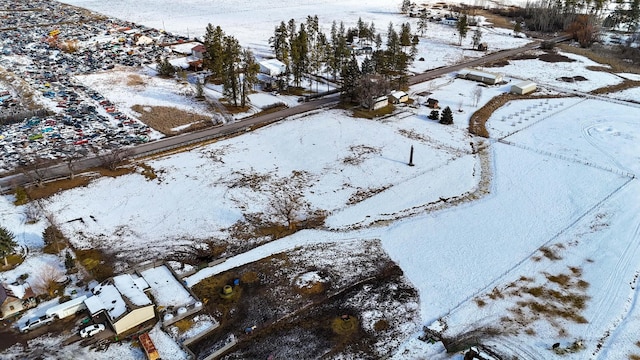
{"x":231,"y":59}
{"x":446,"y":117}
{"x":214,"y":50}
{"x":7,"y":243}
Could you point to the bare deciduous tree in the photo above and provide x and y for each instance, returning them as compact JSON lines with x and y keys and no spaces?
{"x":113,"y":158}
{"x":47,"y":280}
{"x":370,"y":87}
{"x":37,"y":170}
{"x":476,"y":94}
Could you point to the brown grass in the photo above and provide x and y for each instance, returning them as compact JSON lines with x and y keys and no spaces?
{"x":497,"y":20}
{"x":480,"y":302}
{"x":602,"y":57}
{"x":97,"y":262}
{"x":549,"y":253}
{"x":634,"y":357}
{"x":53,"y":187}
{"x":344,"y":327}
{"x":165,"y":118}
{"x":184,"y":324}
{"x":135,"y":80}
{"x":359,"y":112}
{"x":148,"y":172}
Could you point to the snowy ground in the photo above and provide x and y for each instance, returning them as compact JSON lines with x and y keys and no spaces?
{"x":563,"y":179}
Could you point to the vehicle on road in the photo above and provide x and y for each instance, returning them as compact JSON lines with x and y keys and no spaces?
{"x":35,"y":323}
{"x":91,"y":330}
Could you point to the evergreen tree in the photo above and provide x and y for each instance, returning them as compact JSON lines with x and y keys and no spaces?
{"x":434,"y":115}
{"x":406,"y":6}
{"x":517,"y":28}
{"x":367,"y":66}
{"x":477,"y":37}
{"x":350,"y":76}
{"x":7,"y":243}
{"x":423,"y":22}
{"x":230,"y":79}
{"x":214,"y":50}
{"x":378,"y":41}
{"x":165,"y":68}
{"x":280,"y":42}
{"x":69,"y":262}
{"x":463,"y":28}
{"x":405,"y":34}
{"x":447,"y":116}
{"x":250,"y":71}
{"x":300,"y":55}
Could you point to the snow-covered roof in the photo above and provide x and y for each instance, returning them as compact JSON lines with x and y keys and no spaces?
{"x":73,"y":302}
{"x":166,"y":289}
{"x":183,"y":48}
{"x":94,"y":304}
{"x":17,"y":290}
{"x":133,"y":288}
{"x":525,"y":84}
{"x":474,"y":72}
{"x":113,"y":295}
{"x":398,"y":94}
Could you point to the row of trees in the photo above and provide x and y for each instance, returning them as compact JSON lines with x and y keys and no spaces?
{"x":230,"y":64}
{"x":305,"y":49}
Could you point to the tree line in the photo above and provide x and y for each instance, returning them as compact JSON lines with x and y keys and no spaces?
{"x":306,"y":50}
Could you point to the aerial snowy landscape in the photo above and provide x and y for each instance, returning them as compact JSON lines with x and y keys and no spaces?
{"x":526,"y":241}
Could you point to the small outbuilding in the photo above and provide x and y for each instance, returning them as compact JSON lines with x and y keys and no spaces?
{"x":486,"y":77}
{"x":397,"y":97}
{"x":523,"y":88}
{"x":380,"y":102}
{"x":433,"y":103}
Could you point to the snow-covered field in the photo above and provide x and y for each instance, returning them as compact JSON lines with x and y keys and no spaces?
{"x":562,"y":180}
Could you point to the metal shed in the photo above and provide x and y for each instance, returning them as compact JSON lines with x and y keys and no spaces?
{"x":523,"y":88}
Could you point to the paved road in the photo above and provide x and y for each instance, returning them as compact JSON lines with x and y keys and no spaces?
{"x":62,"y":170}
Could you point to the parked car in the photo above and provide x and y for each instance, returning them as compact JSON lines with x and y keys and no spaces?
{"x":91,"y":330}
{"x":36,"y":322}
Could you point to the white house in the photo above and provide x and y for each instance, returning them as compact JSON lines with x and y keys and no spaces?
{"x":523,"y":88}
{"x":272,"y":67}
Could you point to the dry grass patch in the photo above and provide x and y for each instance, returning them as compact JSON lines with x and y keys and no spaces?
{"x":165,"y":119}
{"x":550,"y":253}
{"x":624,"y":85}
{"x":56,"y":186}
{"x":359,"y":112}
{"x":496,"y":19}
{"x":183,"y":325}
{"x":135,"y":80}
{"x":601,"y":55}
{"x":148,"y":172}
{"x":363,"y":194}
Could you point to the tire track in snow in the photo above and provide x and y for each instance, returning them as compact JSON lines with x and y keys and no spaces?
{"x":616,"y":289}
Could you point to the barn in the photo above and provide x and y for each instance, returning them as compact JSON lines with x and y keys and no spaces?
{"x":523,"y":88}
{"x":481,"y":76}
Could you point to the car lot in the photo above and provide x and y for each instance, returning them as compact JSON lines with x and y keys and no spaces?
{"x":44,"y":45}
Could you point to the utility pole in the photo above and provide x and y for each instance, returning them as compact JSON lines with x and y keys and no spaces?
{"x":411,"y":157}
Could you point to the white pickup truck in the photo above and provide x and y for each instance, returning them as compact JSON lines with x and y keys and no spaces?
{"x":36,"y":322}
